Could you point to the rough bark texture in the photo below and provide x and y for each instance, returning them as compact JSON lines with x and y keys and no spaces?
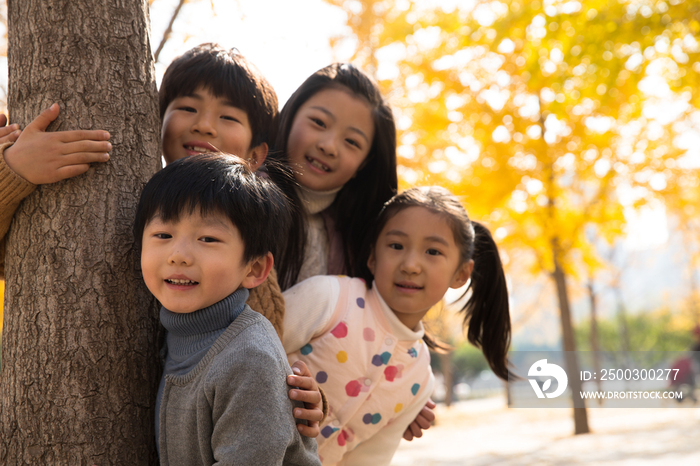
{"x":80,"y":366}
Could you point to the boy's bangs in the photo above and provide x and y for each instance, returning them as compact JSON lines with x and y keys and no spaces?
{"x":170,"y":209}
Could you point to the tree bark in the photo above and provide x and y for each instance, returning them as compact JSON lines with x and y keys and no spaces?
{"x":567,"y":331}
{"x":80,"y":365}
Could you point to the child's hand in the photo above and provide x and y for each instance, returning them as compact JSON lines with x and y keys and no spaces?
{"x":8,"y":133}
{"x":40,"y":157}
{"x":308,"y":393}
{"x":421,"y":423}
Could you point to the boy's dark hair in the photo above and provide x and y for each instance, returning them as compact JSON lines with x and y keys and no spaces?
{"x":225,"y":73}
{"x":487,"y":311}
{"x":359,"y":201}
{"x":222,"y":184}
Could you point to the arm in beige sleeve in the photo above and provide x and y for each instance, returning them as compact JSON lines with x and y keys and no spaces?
{"x":267,"y":299}
{"x":13,"y":189}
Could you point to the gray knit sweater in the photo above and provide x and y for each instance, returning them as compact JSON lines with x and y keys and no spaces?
{"x":223,"y":396}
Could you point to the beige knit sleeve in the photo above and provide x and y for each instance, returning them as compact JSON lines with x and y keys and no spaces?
{"x":267,"y":299}
{"x":13,"y":188}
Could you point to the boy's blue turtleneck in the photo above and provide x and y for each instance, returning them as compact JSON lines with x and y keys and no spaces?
{"x":190,"y":336}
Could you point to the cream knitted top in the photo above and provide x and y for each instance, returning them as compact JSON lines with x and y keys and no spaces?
{"x":317,"y":241}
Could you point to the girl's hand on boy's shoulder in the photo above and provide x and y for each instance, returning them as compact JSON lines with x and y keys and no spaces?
{"x":422,"y":422}
{"x":306,"y":390}
{"x":42,"y":157}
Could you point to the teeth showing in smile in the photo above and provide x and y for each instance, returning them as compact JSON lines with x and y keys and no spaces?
{"x":318,"y":164}
{"x":177,"y":281}
{"x":201,"y":150}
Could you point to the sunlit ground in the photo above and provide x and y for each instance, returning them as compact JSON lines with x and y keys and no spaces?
{"x":486,"y":432}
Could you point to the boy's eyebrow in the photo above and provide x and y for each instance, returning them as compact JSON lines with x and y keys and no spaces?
{"x":433,"y":239}
{"x":213,"y":220}
{"x":196,"y":95}
{"x":192,"y":95}
{"x":209,"y":220}
{"x":352,"y":128}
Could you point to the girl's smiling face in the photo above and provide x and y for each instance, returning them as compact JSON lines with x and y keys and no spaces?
{"x":330,"y":137}
{"x":414,"y":261}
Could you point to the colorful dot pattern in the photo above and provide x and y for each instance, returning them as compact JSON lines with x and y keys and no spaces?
{"x":362,"y":368}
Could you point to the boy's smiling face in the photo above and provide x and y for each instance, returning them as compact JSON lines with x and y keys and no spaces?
{"x":194,"y":262}
{"x":202,"y":122}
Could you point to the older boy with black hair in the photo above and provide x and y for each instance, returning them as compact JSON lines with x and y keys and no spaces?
{"x":207,"y":228}
{"x":213,"y":99}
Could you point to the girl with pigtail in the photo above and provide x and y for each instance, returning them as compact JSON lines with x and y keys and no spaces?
{"x":362,"y":338}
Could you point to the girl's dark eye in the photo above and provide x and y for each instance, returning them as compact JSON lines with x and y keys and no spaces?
{"x":163,"y":235}
{"x":318,"y":122}
{"x":352,"y":142}
{"x":396,"y":246}
{"x":209,"y":239}
{"x":230,"y":118}
{"x":433,"y":252}
{"x":187,"y":109}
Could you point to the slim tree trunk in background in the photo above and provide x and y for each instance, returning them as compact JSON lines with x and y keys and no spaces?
{"x":567,"y":331}
{"x":594,"y":335}
{"x":80,"y":366}
{"x":448,"y":373}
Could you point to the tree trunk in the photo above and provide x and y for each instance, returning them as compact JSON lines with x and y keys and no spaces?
{"x":448,"y":373}
{"x":80,"y":365}
{"x":567,"y":331}
{"x":594,"y":335}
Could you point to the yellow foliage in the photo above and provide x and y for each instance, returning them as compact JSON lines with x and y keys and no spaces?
{"x":534,"y":115}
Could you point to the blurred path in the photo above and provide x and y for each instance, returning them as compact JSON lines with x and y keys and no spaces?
{"x":485,"y":432}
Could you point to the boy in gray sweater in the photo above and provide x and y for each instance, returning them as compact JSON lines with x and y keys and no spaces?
{"x":208,"y":229}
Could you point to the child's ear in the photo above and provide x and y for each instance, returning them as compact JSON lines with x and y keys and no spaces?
{"x":257,"y":155}
{"x":372,"y":261}
{"x":258,"y":270}
{"x":463,"y":274}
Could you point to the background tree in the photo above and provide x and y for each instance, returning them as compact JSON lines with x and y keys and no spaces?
{"x":80,"y":353}
{"x":444,"y":324}
{"x":538,"y":113}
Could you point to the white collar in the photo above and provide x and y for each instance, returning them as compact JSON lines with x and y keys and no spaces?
{"x":316,"y":201}
{"x":398,"y":328}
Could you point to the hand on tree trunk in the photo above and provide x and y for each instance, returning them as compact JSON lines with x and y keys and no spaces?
{"x":42,"y":157}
